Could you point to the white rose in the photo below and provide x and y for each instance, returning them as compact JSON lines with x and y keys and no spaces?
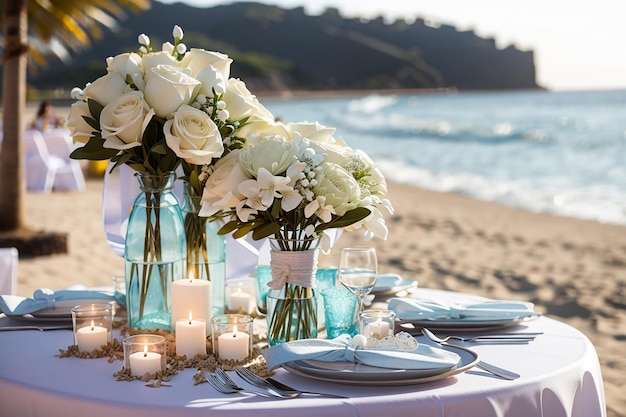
{"x":211,"y":79}
{"x":168,"y":87}
{"x":341,"y":190}
{"x":124,"y":120}
{"x":81,"y":130}
{"x":125,"y":65}
{"x":153,"y":59}
{"x":197,"y":59}
{"x":106,"y":88}
{"x":220,"y":191}
{"x":312,"y":131}
{"x":241,"y":103}
{"x":336,"y":152}
{"x":193,"y":136}
{"x":275,"y":154}
{"x":259,"y":131}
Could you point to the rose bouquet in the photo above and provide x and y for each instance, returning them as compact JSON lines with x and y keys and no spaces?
{"x":158,"y":110}
{"x":290,"y":183}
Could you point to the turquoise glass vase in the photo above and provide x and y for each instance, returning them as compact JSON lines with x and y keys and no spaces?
{"x":154,"y":252}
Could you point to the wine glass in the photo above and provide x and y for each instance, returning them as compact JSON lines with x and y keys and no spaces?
{"x":357,"y":272}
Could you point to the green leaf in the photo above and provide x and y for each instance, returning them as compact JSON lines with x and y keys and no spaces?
{"x":95,"y":109}
{"x":347,"y":219}
{"x":276,"y":208}
{"x":228,"y":227}
{"x":159,"y":148}
{"x":265,"y":231}
{"x":92,"y":122}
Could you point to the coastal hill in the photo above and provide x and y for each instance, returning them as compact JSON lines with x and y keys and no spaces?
{"x":276,"y":49}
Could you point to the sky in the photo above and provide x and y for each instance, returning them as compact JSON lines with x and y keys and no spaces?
{"x":578,"y":44}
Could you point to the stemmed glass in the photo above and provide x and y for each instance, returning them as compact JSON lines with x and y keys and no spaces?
{"x":357,"y":272}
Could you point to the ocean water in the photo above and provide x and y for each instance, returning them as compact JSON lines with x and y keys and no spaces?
{"x":556,"y":152}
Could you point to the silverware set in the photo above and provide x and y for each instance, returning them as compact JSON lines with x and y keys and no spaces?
{"x":223,"y":383}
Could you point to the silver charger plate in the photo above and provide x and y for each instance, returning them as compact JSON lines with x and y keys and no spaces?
{"x":391,"y":284}
{"x":359,"y":374}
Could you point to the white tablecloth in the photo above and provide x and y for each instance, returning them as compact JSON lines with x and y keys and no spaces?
{"x":560,"y":377}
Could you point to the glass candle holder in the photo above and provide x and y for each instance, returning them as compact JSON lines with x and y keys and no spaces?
{"x":145,"y":354}
{"x":92,"y":326}
{"x":232,"y":336}
{"x":340,"y":307}
{"x":240,"y":296}
{"x":377,"y":324}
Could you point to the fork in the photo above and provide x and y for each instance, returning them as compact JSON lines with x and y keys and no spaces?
{"x":498,"y":338}
{"x":269,"y":383}
{"x":221,"y":386}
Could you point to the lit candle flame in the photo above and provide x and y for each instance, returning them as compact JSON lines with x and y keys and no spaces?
{"x":235,"y":330}
{"x":189,"y":316}
{"x":145,"y":351}
{"x":191,"y":277}
{"x":93,"y":325}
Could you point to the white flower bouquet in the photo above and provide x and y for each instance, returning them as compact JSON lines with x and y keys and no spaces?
{"x":290,"y":183}
{"x":158,"y":110}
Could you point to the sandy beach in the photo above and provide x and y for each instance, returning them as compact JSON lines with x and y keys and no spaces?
{"x":572,"y":270}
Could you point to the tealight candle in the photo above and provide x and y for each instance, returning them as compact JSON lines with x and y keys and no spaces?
{"x":191,"y":295}
{"x":90,"y":338}
{"x":190,"y":337}
{"x":241,"y":301}
{"x":377,"y":324}
{"x":92,"y":324}
{"x":142,"y":362}
{"x":378,"y":329}
{"x":232,"y":336}
{"x":145,"y":353}
{"x":233,"y":345}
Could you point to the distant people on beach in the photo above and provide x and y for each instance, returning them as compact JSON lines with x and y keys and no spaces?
{"x":45,"y":118}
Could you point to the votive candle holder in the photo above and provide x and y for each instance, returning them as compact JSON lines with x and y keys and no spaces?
{"x":377,"y":324}
{"x":232,"y":336}
{"x":145,"y":354}
{"x":240,"y":296}
{"x":92,"y":324}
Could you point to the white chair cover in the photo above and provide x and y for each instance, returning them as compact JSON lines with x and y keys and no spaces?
{"x":45,"y":170}
{"x":8,"y":271}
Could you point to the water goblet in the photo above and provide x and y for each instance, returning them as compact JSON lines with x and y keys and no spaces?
{"x":357,"y":272}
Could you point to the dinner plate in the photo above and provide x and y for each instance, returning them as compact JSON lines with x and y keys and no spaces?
{"x":359,"y":374}
{"x":391,"y":284}
{"x":467,"y":324}
{"x":63,"y":309}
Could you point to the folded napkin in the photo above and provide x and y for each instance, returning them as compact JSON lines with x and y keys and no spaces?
{"x":412,"y":309}
{"x":342,"y":349}
{"x":44,"y":298}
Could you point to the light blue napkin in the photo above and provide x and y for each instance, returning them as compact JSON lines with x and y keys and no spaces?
{"x":45,"y":298}
{"x":341,"y":349}
{"x":412,"y":309}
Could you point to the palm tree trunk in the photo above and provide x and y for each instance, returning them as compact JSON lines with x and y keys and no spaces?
{"x":12,"y":179}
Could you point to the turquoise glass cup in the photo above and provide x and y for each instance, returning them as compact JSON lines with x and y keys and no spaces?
{"x":340,"y":307}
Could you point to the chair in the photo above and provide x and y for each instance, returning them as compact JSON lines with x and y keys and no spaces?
{"x":45,"y":169}
{"x":8,"y":271}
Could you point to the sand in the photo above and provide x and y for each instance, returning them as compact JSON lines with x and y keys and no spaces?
{"x":572,"y":270}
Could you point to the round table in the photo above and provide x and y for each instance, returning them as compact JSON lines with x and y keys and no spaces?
{"x":560,"y":377}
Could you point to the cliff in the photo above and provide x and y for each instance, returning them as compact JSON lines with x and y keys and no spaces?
{"x":277,"y":49}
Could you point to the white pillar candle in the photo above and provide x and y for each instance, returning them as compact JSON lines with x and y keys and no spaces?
{"x":241,"y":300}
{"x":233,"y":345}
{"x":190,"y":337}
{"x":378,"y":329}
{"x":91,"y":337}
{"x":191,"y":295}
{"x":142,"y":362}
